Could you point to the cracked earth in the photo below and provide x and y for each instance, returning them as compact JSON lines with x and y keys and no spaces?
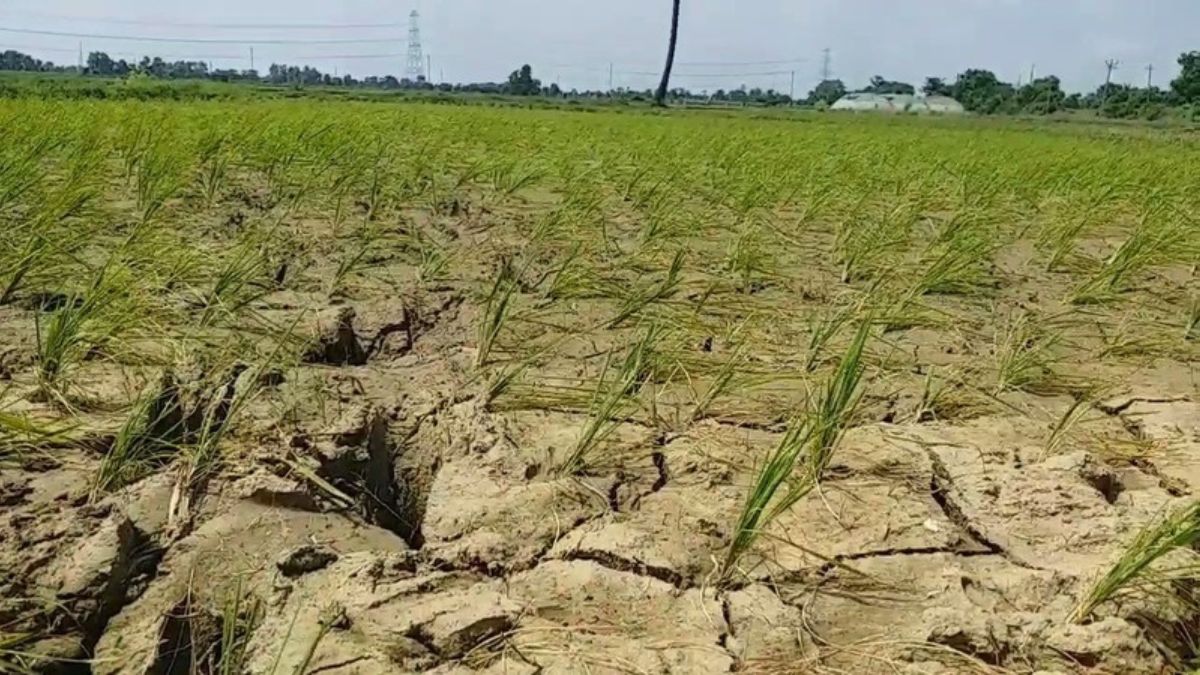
{"x":417,"y":531}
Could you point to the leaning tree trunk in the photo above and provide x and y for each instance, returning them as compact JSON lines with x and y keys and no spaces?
{"x":660,"y":97}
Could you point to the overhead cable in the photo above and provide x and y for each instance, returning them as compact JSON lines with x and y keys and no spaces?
{"x":223,"y":41}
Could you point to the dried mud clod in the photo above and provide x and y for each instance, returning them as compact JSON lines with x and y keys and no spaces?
{"x":335,"y":341}
{"x":305,"y":559}
{"x":107,"y":571}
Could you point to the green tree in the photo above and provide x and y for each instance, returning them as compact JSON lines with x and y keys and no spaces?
{"x":936,"y":86}
{"x":981,"y":91}
{"x":660,"y":96}
{"x":880,"y":85}
{"x":99,"y":63}
{"x":1042,"y":96}
{"x":1187,"y":85}
{"x":522,"y":83}
{"x":828,"y":91}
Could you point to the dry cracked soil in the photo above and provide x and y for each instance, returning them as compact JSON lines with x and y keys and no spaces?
{"x":410,"y":529}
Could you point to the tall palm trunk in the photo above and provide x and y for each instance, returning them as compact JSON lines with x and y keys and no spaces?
{"x":660,"y":97}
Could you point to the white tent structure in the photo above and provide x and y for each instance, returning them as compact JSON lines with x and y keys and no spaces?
{"x":898,"y":103}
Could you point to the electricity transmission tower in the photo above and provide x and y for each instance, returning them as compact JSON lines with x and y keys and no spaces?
{"x":415,"y":68}
{"x":826,"y":65}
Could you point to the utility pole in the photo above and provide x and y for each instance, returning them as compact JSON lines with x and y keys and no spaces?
{"x":428,"y":67}
{"x":826,"y":65}
{"x":81,"y":56}
{"x":792,"y":89}
{"x":610,"y":76}
{"x":1150,"y":76}
{"x":252,"y":58}
{"x":1032,"y":70}
{"x":1111,"y":64}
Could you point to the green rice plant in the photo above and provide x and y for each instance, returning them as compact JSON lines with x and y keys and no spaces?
{"x":240,"y":616}
{"x":239,"y":281}
{"x":219,"y":405}
{"x":933,"y":393}
{"x":578,"y":210}
{"x":151,"y":433}
{"x":807,"y":446}
{"x":572,"y":278}
{"x":343,"y":184}
{"x":823,"y":329}
{"x":747,"y":259}
{"x":21,"y":434}
{"x":864,"y":243}
{"x":1151,"y":243}
{"x":20,"y":166}
{"x":353,"y":261}
{"x":955,"y":263}
{"x":213,"y":159}
{"x":1178,"y":532}
{"x":1059,"y":236}
{"x":1061,"y":430}
{"x":637,"y":301}
{"x":433,"y":263}
{"x":159,"y":175}
{"x":508,"y":175}
{"x":1022,"y":352}
{"x":664,"y":221}
{"x":496,"y":310}
{"x":612,"y":399}
{"x":722,"y":383}
{"x":1134,"y":335}
{"x":80,"y":327}
{"x":49,"y":229}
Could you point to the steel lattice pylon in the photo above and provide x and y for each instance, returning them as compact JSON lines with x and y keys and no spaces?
{"x":415,"y":68}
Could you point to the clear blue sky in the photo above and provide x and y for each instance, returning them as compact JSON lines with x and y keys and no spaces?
{"x":573,"y":41}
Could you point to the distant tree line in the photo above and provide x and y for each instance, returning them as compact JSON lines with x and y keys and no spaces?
{"x":979,"y":90}
{"x":520,"y":82}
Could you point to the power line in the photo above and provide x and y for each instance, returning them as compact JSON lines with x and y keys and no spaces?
{"x":713,"y":75}
{"x":204,"y":57}
{"x":224,"y":26}
{"x":717,"y":64}
{"x":711,"y":64}
{"x":223,"y":41}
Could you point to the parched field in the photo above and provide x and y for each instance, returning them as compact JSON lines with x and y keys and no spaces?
{"x":298,"y":387}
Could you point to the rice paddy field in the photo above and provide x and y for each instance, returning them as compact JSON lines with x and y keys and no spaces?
{"x":300,"y":387}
